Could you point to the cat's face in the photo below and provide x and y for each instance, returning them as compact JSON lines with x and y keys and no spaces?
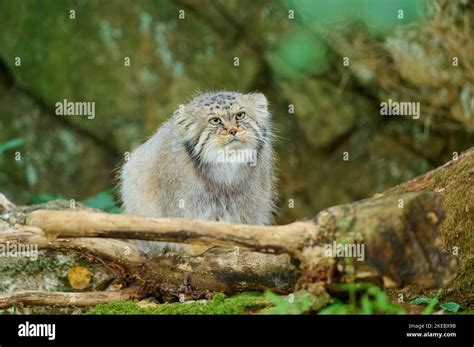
{"x":212,"y":124}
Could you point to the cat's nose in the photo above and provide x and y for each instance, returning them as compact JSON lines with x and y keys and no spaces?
{"x":233,"y":131}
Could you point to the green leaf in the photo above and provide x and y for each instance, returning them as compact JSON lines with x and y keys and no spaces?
{"x":13,"y":143}
{"x":431,"y":306}
{"x":421,"y":300}
{"x":336,"y":308}
{"x":366,"y":305}
{"x":382,"y":301}
{"x":450,"y":306}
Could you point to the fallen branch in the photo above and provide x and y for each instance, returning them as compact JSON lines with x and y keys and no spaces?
{"x":399,"y":234}
{"x":272,"y":239}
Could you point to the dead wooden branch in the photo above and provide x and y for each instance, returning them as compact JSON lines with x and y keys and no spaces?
{"x":273,"y":239}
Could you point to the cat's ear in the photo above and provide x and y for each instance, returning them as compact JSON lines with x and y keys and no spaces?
{"x":259,"y":103}
{"x":259,"y":100}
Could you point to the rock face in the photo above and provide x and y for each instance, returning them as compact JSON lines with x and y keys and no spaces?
{"x":137,"y":61}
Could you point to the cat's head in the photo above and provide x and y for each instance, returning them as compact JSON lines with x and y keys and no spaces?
{"x":213,"y":123}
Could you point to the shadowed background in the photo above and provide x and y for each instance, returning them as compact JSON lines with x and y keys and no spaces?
{"x":295,"y":62}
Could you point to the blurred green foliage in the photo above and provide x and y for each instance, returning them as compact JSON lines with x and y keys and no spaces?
{"x":303,"y":51}
{"x":13,"y":143}
{"x":297,"y":54}
{"x":103,"y":201}
{"x":296,"y":304}
{"x":380,"y":16}
{"x":363,"y":299}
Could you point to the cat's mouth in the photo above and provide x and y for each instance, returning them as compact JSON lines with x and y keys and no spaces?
{"x":233,"y":139}
{"x":236,"y":141}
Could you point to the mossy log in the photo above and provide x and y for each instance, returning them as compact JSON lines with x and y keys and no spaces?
{"x":454,"y":182}
{"x":399,"y":235}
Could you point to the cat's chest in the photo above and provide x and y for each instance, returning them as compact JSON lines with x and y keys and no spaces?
{"x":226,"y":198}
{"x":225,"y":176}
{"x":225,"y":209}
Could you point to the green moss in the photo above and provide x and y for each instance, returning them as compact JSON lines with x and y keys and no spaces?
{"x":239,"y":304}
{"x":464,"y":281}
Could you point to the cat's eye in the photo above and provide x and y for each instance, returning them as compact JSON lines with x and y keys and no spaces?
{"x":240,"y":116}
{"x":215,"y":121}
